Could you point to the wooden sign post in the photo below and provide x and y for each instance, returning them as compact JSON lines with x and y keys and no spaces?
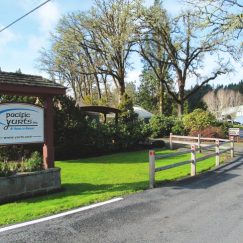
{"x":35,"y":86}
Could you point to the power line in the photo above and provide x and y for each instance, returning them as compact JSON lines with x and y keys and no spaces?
{"x":15,"y":21}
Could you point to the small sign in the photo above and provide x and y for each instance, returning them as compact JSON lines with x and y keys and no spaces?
{"x":236,"y":132}
{"x":21,"y":123}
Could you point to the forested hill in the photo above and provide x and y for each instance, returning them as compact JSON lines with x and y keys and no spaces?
{"x":237,"y":87}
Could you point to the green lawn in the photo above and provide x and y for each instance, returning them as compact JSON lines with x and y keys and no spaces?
{"x":91,"y":180}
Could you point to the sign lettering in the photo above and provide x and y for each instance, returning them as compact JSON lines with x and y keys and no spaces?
{"x":21,"y":123}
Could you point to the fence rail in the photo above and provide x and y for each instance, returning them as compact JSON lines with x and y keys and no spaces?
{"x":190,"y":140}
{"x":218,"y":150}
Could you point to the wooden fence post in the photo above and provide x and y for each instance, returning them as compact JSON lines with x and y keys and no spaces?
{"x":199,"y":143}
{"x":193,"y":160}
{"x":151,"y":168}
{"x":171,"y":144}
{"x":232,"y":147}
{"x":217,"y":158}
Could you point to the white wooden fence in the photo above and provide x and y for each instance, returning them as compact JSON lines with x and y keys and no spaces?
{"x":199,"y":141}
{"x":219,"y":149}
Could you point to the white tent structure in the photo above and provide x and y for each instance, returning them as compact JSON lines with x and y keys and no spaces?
{"x":142,"y":113}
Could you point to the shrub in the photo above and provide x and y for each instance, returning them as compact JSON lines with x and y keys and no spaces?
{"x":79,"y":136}
{"x":130,"y":136}
{"x":130,"y":131}
{"x":161,"y":126}
{"x":209,"y":132}
{"x":158,"y":144}
{"x":5,"y":169}
{"x":225,"y":128}
{"x":34,"y":163}
{"x":10,"y":152}
{"x":198,"y":120}
{"x":178,"y":127}
{"x":127,"y":114}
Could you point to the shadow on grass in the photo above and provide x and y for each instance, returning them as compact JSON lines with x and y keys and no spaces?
{"x":117,"y":158}
{"x":86,"y":189}
{"x":138,"y":160}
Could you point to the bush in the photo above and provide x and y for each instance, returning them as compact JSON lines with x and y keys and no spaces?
{"x":178,"y":127}
{"x":158,"y":144}
{"x":198,"y":120}
{"x":34,"y":163}
{"x":130,"y":131}
{"x":224,"y":126}
{"x":161,"y":126}
{"x":5,"y":169}
{"x":79,"y":136}
{"x":130,"y":136}
{"x":209,"y":132}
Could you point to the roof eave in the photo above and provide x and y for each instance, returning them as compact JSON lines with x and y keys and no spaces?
{"x":30,"y":90}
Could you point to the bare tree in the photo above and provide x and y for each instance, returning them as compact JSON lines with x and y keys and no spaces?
{"x":224,"y":15}
{"x":92,"y":49}
{"x":67,"y":62}
{"x":113,"y":36}
{"x":225,"y":19}
{"x":223,"y":101}
{"x":211,"y":101}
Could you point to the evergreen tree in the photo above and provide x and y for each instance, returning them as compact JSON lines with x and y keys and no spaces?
{"x":195,"y":101}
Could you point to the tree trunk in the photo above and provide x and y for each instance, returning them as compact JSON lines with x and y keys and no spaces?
{"x":181,"y":99}
{"x":180,"y":109}
{"x":161,"y":98}
{"x":121,"y":91}
{"x":98,"y":86}
{"x":106,"y":92}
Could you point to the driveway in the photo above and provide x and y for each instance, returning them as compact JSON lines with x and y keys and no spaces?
{"x":205,"y":209}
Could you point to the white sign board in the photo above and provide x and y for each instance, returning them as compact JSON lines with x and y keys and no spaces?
{"x":21,"y":123}
{"x":236,"y":132}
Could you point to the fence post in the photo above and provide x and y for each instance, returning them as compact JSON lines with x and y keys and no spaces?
{"x":217,"y":152}
{"x":193,"y":160}
{"x":232,"y":147}
{"x":199,"y":143}
{"x":171,"y":145}
{"x":151,"y":168}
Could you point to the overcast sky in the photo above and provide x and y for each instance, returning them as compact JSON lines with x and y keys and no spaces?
{"x":19,"y":44}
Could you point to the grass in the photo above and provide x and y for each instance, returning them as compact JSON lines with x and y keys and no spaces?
{"x":91,"y":180}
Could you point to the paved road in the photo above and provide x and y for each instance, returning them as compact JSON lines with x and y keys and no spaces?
{"x":204,"y":209}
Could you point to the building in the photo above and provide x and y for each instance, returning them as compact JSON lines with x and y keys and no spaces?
{"x":142,"y":113}
{"x":233,"y":113}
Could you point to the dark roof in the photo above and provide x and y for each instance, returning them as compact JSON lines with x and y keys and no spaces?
{"x":30,"y":85}
{"x":28,"y":80}
{"x":100,"y":109}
